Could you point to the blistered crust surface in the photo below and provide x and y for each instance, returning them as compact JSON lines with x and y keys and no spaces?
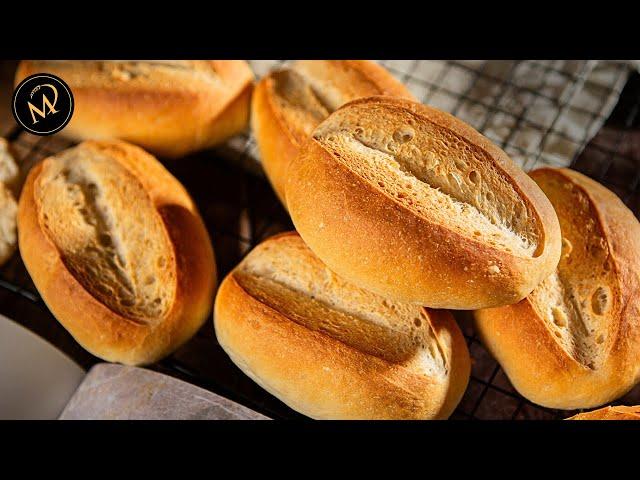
{"x":432,"y":171}
{"x":579,"y":300}
{"x":108,"y":232}
{"x":289,"y":278}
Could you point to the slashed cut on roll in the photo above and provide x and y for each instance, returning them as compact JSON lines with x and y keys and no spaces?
{"x":574,"y":342}
{"x":117,"y":249}
{"x":331,"y":350}
{"x":413,"y":204}
{"x":289,"y":103}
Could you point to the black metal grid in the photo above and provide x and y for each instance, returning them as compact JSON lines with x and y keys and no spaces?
{"x":528,"y":107}
{"x":240,"y":210}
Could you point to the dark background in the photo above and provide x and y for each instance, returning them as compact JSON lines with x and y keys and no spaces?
{"x":7,"y":69}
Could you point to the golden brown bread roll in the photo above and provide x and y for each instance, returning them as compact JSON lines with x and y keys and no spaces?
{"x":331,"y":350}
{"x":413,"y":204}
{"x":8,"y":235}
{"x":8,"y":207}
{"x":289,"y":103}
{"x":169,"y":107}
{"x":619,"y":412}
{"x":575,"y":341}
{"x":117,"y":249}
{"x":9,"y":171}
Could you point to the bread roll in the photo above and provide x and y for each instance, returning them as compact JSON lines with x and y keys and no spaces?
{"x":289,"y":103}
{"x":610,"y":413}
{"x":9,"y":171}
{"x":331,"y":350}
{"x":8,"y":236}
{"x":415,"y":205}
{"x":117,"y":249}
{"x":8,"y":207}
{"x":171,"y":108}
{"x":575,"y":341}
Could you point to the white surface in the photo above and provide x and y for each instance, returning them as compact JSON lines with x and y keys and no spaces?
{"x":36,"y":379}
{"x":119,"y":392}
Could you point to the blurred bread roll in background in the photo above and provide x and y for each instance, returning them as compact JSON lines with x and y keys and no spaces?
{"x":619,"y":412}
{"x":289,"y":103}
{"x":9,"y":173}
{"x":8,"y":234}
{"x":331,"y":350}
{"x":169,"y":107}
{"x":575,"y":341}
{"x":411,"y":203}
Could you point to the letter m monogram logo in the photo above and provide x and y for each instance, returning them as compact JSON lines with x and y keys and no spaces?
{"x":46,"y":104}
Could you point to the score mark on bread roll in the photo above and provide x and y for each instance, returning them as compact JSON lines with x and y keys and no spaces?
{"x":289,"y":103}
{"x":575,"y":340}
{"x":331,"y":350}
{"x":418,"y":206}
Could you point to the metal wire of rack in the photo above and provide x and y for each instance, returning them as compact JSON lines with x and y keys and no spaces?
{"x":540,"y":112}
{"x":240,"y":210}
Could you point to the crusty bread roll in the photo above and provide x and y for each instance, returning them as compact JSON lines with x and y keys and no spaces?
{"x":575,"y":341}
{"x":415,"y":205}
{"x":8,"y":207}
{"x":331,"y":350}
{"x":117,"y":249}
{"x":171,"y":108}
{"x":8,"y":236}
{"x":9,"y":171}
{"x":289,"y":103}
{"x":610,"y":413}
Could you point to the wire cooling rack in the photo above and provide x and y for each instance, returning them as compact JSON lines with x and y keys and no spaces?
{"x":541,"y":112}
{"x":240,"y":210}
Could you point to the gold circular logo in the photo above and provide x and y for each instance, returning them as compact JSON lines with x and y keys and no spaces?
{"x":43,"y":104}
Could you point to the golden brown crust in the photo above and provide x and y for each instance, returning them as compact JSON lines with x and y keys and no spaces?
{"x":9,"y":170}
{"x":102,"y":331}
{"x":538,"y":364}
{"x":8,"y":235}
{"x":276,"y":143}
{"x":619,"y":412}
{"x":169,"y":108}
{"x":279,"y":137}
{"x":381,"y":244}
{"x":322,"y":377}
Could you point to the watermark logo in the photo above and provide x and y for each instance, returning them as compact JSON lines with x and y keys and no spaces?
{"x":43,"y":104}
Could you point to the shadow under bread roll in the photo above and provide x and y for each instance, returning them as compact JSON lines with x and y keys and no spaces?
{"x":619,"y":412}
{"x":117,"y":249}
{"x":169,"y":107}
{"x":413,"y":204}
{"x":331,"y":350}
{"x":575,"y":341}
{"x":289,"y":103}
